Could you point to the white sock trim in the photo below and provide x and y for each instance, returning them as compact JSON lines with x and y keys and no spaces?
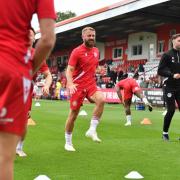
{"x":20,"y":145}
{"x":68,"y":138}
{"x":165,"y":132}
{"x":128,"y":118}
{"x":94,"y":123}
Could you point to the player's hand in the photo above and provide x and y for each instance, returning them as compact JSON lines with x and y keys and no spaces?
{"x":72,"y":88}
{"x":176,"y":76}
{"x":45,"y":90}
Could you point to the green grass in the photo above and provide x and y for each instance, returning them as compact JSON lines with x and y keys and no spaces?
{"x":123,"y":149}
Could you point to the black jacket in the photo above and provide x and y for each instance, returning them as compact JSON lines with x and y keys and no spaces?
{"x":168,"y":66}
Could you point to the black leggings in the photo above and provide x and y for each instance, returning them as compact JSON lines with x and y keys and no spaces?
{"x":171,"y":97}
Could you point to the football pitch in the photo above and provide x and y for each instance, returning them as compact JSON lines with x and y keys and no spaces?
{"x":122,"y":150}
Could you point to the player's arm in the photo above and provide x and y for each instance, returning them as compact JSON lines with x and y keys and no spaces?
{"x":163,"y":68}
{"x":45,"y":43}
{"x":48,"y":81}
{"x":69,"y":76}
{"x":118,"y":92}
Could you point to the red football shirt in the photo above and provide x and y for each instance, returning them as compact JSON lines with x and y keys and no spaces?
{"x":127,"y":83}
{"x":85,"y":61}
{"x":129,"y":86}
{"x":14,"y":28}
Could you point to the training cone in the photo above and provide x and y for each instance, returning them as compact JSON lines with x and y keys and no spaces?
{"x":146,"y":121}
{"x":37,"y":104}
{"x":31,"y":122}
{"x":82,"y":113}
{"x":42,"y":177}
{"x":134,"y":175}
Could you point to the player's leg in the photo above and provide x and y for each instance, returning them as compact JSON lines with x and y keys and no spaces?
{"x":170,"y":102}
{"x":99,"y":101}
{"x":127,"y":105}
{"x":177,"y":97}
{"x":69,"y":129}
{"x":13,"y":112}
{"x":19,"y":147}
{"x":7,"y":147}
{"x":75,"y":104}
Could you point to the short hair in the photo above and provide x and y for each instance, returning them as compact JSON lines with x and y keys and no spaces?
{"x":175,"y":36}
{"x":136,"y":75}
{"x":86,"y":29}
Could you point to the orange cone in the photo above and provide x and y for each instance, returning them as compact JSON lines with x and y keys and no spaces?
{"x":31,"y":122}
{"x":146,"y":121}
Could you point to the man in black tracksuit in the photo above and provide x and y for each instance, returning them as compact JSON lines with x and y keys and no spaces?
{"x":169,"y":68}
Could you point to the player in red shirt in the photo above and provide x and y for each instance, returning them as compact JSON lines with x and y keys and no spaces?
{"x":125,"y":89}
{"x":15,"y":70}
{"x":81,"y":83}
{"x":48,"y":80}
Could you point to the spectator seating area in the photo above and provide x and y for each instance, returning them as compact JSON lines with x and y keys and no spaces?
{"x":109,"y":73}
{"x":148,"y":72}
{"x":151,"y":68}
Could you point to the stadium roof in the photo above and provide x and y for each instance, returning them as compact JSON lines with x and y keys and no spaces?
{"x":118,"y":20}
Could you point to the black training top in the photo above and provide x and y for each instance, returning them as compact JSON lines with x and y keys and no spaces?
{"x":168,"y":66}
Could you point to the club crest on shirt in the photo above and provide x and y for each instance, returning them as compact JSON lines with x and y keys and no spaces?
{"x":74,"y":103}
{"x":86,"y":54}
{"x":3,"y":112}
{"x":169,"y":95}
{"x":95,"y":54}
{"x":3,"y":119}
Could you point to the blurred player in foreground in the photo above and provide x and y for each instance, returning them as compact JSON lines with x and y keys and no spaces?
{"x":125,"y":89}
{"x":81,"y":83}
{"x":45,"y":90}
{"x":15,"y":70}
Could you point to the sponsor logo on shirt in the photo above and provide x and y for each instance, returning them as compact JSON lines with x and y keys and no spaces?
{"x":74,"y":103}
{"x":173,"y":60}
{"x":6,"y":120}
